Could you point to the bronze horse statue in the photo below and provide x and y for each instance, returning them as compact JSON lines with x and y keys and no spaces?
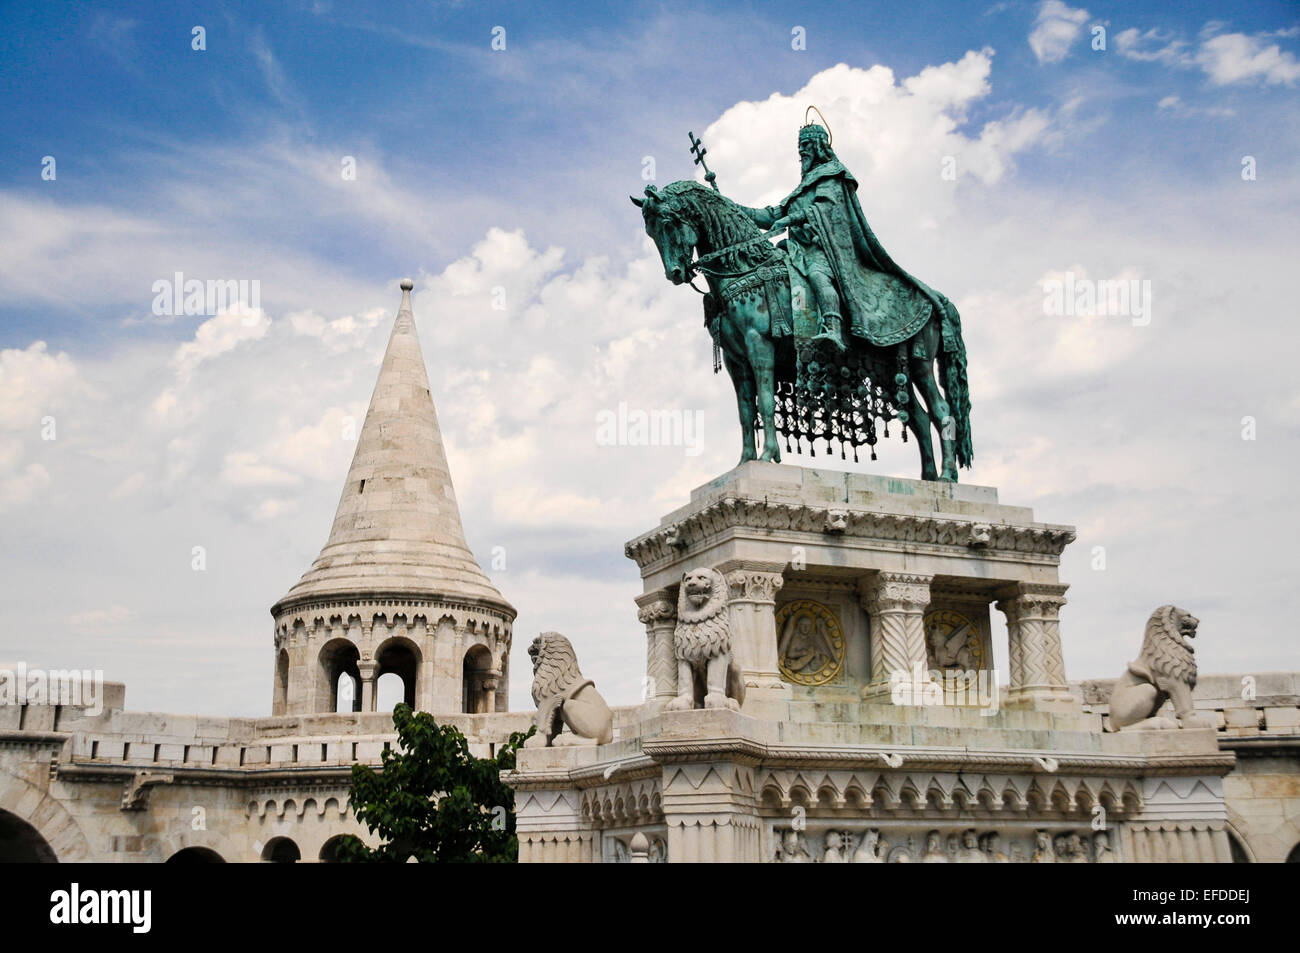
{"x":787,"y":383}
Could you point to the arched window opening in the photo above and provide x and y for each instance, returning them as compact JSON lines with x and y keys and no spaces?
{"x":196,"y":855}
{"x":281,"y":850}
{"x":399,"y":657}
{"x":341,"y":681}
{"x":280,"y":703}
{"x":390,"y":691}
{"x":479,"y":685}
{"x":331,"y":850}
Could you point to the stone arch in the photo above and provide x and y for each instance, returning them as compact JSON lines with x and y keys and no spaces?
{"x":337,"y":659}
{"x":195,"y":855}
{"x":401,"y":657}
{"x":21,"y":843}
{"x":43,"y":813}
{"x":204,"y":847}
{"x":330,"y":850}
{"x":279,"y":850}
{"x":478,"y":682}
{"x":1294,"y":856}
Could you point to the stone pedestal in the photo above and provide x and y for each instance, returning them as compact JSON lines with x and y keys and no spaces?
{"x":903,"y":545}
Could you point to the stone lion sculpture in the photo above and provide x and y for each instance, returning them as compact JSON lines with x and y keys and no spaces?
{"x":707,"y":675}
{"x":563,"y":696}
{"x":1166,"y":669}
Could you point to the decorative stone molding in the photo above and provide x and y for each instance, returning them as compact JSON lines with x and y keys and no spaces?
{"x":135,"y":796}
{"x":746,"y":585}
{"x":940,"y":793}
{"x":945,"y":532}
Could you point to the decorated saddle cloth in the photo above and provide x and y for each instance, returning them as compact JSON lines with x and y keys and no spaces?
{"x":885,"y":309}
{"x":891,"y":309}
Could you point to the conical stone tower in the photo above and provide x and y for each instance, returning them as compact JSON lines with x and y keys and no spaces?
{"x":395,"y":588}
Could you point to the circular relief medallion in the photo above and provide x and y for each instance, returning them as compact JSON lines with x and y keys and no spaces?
{"x":810,"y":643}
{"x":952,"y":640}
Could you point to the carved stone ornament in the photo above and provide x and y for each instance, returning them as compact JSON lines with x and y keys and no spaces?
{"x":954,"y":641}
{"x":1165,"y":670}
{"x":810,"y":643}
{"x":563,"y":696}
{"x":707,"y":673}
{"x":1041,"y":540}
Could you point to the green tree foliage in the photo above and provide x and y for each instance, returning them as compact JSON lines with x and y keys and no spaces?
{"x":433,"y":800}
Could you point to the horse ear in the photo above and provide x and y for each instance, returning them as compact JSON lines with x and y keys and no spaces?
{"x":636,"y":201}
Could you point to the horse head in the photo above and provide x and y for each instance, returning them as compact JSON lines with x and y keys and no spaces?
{"x":668,"y":223}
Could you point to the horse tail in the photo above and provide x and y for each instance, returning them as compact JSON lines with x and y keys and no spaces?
{"x":952,"y":365}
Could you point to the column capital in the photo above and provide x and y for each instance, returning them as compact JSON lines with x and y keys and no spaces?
{"x":750,"y":585}
{"x":1033,"y":599}
{"x":656,"y":606}
{"x":895,"y":591}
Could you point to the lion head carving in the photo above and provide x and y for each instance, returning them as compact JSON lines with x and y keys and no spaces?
{"x":555,"y":666}
{"x":1166,"y":647}
{"x":1164,"y":670}
{"x":702,"y":629}
{"x":563,"y":696}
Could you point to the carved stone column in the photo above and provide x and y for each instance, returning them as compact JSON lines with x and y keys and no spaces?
{"x":367,"y":668}
{"x":751,"y":602}
{"x":658,"y":613}
{"x":1034,"y":645}
{"x":895,"y":603}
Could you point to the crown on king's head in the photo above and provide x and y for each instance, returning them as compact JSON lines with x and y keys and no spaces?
{"x":812,"y":131}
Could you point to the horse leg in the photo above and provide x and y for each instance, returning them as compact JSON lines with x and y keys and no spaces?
{"x":762,"y":363}
{"x":922,"y":365}
{"x":919,"y":423}
{"x":742,"y":378}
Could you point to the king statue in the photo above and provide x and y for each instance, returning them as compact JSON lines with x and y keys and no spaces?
{"x":831,"y":245}
{"x":823,"y":335}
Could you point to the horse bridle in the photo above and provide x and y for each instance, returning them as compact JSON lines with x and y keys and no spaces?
{"x":698,"y":265}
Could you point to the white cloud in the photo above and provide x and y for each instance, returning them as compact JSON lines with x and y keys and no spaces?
{"x":101,"y":618}
{"x":35,"y":387}
{"x":1238,"y":58}
{"x":32,"y":381}
{"x":216,"y":336}
{"x":245,"y":469}
{"x":341,"y":333}
{"x":21,"y":485}
{"x":1057,"y":27}
{"x":894,"y":137}
{"x":1226,"y":58}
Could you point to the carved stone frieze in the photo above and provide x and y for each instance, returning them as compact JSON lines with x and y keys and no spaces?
{"x":1036,"y":539}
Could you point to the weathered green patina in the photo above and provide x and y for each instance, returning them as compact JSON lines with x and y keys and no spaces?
{"x":776,"y":314}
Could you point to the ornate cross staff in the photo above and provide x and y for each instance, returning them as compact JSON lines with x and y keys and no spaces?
{"x":697,"y":147}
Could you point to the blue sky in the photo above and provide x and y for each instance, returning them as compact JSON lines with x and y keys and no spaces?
{"x":482,"y":169}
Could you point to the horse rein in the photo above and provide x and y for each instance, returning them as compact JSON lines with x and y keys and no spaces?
{"x":698,"y":264}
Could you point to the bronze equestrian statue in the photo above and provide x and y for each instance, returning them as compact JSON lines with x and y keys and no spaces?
{"x":822,"y":334}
